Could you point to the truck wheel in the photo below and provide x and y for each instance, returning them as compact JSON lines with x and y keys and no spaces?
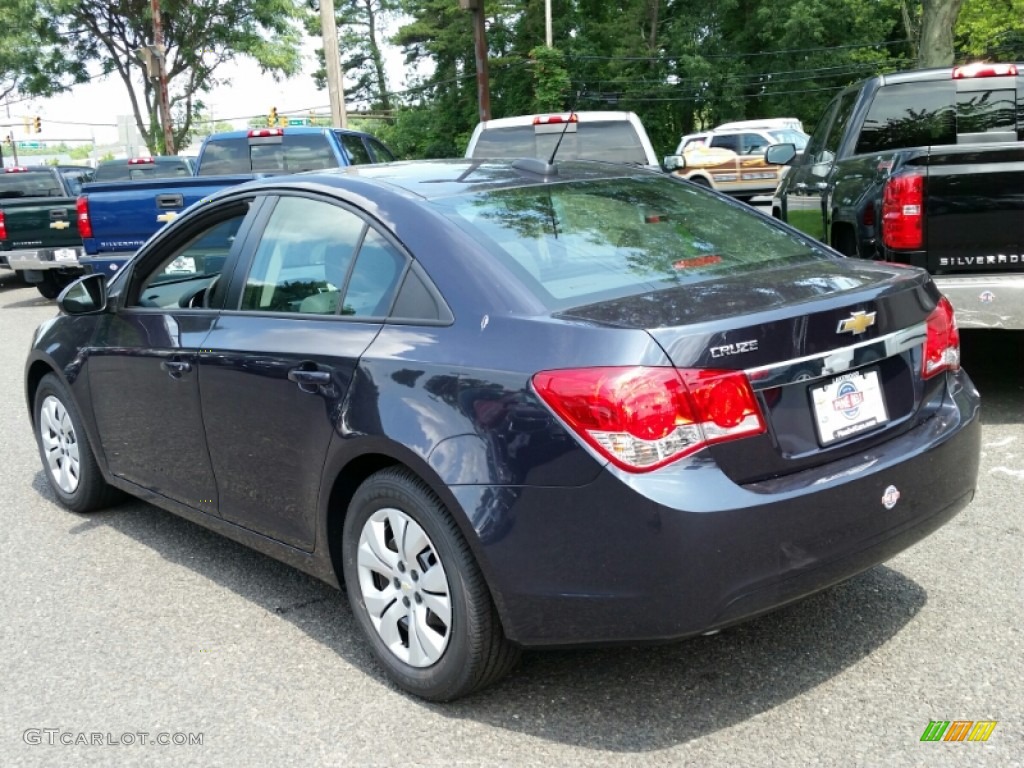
{"x":49,"y":288}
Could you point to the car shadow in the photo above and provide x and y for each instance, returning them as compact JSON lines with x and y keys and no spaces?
{"x":625,"y":699}
{"x":995,"y":361}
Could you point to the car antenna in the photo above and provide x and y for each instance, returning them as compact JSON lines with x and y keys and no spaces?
{"x":537,"y":165}
{"x":572,"y":113}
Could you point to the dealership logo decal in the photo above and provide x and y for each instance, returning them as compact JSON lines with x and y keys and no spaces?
{"x":848,"y":400}
{"x":958,"y":730}
{"x":890,"y":497}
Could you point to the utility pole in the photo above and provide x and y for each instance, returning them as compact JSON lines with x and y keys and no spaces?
{"x":483,"y":89}
{"x":161,"y":78}
{"x":547,"y":23}
{"x":332,"y":60}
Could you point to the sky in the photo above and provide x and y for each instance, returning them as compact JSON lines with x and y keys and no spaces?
{"x":89,"y":111}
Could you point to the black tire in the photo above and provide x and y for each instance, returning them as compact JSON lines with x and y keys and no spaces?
{"x":49,"y":288}
{"x":91,"y":491}
{"x":477,"y":652}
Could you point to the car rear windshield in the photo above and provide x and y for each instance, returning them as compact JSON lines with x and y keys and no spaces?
{"x":292,"y":154}
{"x":579,"y":242}
{"x":611,"y":140}
{"x":30,"y":184}
{"x":122,"y":171}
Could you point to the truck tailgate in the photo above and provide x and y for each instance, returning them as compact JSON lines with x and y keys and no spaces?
{"x":40,"y":223}
{"x":975,"y":209}
{"x":125,"y":214}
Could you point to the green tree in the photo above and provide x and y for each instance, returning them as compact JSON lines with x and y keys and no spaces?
{"x":200,"y":36}
{"x":360,"y":38}
{"x":938,"y":19}
{"x":31,"y":55}
{"x":991,"y":30}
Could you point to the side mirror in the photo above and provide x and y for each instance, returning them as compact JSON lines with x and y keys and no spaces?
{"x":86,"y":296}
{"x":780,"y":154}
{"x":674,"y":162}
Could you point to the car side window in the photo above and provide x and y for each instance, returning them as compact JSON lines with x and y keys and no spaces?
{"x":302,"y":262}
{"x":727,"y":141}
{"x":753,"y":143}
{"x":909,"y":115}
{"x":381,"y":154}
{"x":376,"y":274}
{"x":187,"y":277}
{"x":357,"y":153}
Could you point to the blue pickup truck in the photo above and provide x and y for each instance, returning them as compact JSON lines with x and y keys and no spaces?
{"x":115,"y":218}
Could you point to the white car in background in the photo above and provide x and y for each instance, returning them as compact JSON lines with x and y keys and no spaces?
{"x":617,"y":137}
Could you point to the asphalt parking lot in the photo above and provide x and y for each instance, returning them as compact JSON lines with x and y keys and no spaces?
{"x":132,"y":621}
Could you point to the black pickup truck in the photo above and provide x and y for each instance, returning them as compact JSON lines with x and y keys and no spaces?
{"x":39,"y":238}
{"x":925,"y":168}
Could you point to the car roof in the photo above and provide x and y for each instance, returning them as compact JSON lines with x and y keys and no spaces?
{"x":435,"y":179}
{"x":583,"y":117}
{"x":298,"y":130}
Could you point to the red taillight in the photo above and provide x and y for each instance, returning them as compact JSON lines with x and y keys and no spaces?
{"x":981,"y":69}
{"x":141,"y":161}
{"x":3,"y":226}
{"x":262,"y":133}
{"x":942,"y":345}
{"x":16,"y":169}
{"x":84,"y":224}
{"x":643,"y":418}
{"x":555,"y":119}
{"x":903,"y":212}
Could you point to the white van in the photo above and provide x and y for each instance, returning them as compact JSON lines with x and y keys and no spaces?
{"x":617,"y":137}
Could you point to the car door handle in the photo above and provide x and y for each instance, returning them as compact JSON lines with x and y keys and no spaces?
{"x":310,"y":380}
{"x":176,"y":367}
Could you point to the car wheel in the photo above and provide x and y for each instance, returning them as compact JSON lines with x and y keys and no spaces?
{"x":417,"y":592}
{"x":49,"y":288}
{"x":68,"y":461}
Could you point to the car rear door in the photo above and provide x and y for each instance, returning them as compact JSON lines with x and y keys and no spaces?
{"x":276,"y":367}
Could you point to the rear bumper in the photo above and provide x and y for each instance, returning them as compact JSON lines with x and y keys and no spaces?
{"x":985,"y":301}
{"x":683,"y":550}
{"x":45,"y":258}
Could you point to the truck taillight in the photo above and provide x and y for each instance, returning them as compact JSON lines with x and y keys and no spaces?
{"x":641,"y":418}
{"x":942,"y":344}
{"x":903,"y":212}
{"x":984,"y":69}
{"x":3,"y":226}
{"x":82,"y":209}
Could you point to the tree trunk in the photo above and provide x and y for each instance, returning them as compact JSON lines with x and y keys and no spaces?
{"x":938,"y":18}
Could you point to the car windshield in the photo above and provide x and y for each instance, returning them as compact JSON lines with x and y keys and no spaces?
{"x":579,"y":242}
{"x":612,"y":140}
{"x":121,"y":170}
{"x":789,"y":136}
{"x":30,"y":184}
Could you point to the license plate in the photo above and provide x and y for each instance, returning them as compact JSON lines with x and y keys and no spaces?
{"x":848,"y":405}
{"x":65,"y":254}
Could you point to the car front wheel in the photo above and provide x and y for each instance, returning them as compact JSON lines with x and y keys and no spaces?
{"x":417,"y":592}
{"x":68,"y":461}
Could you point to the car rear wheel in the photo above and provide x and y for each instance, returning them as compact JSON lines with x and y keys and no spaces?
{"x":417,"y":592}
{"x":68,"y":461}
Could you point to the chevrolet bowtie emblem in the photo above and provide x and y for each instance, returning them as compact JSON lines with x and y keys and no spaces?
{"x":59,"y":225}
{"x":857,"y":322}
{"x":169,"y":216}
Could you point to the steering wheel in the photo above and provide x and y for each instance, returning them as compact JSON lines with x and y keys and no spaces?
{"x":198,"y":297}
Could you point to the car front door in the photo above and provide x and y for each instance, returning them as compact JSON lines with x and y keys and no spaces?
{"x":806,"y":188}
{"x":143,"y":376}
{"x":275,"y":369}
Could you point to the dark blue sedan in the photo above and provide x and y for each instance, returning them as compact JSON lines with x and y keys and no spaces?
{"x":513,"y":405}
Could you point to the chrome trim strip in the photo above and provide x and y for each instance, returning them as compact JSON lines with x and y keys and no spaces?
{"x":838,"y":360}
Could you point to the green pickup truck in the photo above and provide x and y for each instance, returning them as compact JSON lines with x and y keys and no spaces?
{"x":39,"y":236}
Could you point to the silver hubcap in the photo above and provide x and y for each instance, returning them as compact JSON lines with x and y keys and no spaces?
{"x":404,"y":587}
{"x":60,"y":444}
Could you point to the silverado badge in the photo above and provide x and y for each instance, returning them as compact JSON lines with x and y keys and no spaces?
{"x":857,"y":322}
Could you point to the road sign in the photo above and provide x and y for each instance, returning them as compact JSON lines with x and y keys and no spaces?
{"x":30,"y":145}
{"x":298,"y":121}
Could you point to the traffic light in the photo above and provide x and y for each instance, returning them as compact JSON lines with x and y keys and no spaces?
{"x":37,"y":124}
{"x":312,"y":117}
{"x":272,"y":117}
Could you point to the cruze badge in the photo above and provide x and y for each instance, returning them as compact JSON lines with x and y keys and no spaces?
{"x":857,"y":322}
{"x":735,"y":348}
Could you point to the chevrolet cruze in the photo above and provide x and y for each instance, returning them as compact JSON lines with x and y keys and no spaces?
{"x":513,"y":405}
